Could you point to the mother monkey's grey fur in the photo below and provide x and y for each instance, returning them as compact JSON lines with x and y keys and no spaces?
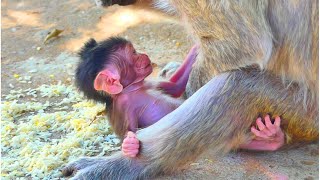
{"x":256,"y":57}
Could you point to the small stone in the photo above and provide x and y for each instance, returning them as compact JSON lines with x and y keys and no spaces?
{"x":39,"y":48}
{"x":13,"y":29}
{"x":21,"y":52}
{"x":307,"y":162}
{"x":33,"y":71}
{"x":99,"y":3}
{"x":194,"y":164}
{"x":28,"y":78}
{"x":309,"y":178}
{"x":75,"y":10}
{"x":41,"y":34}
{"x":314,"y":152}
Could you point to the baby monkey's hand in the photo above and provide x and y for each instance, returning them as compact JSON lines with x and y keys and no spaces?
{"x":130,"y":145}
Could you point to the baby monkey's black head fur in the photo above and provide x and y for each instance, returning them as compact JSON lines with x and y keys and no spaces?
{"x":94,"y":57}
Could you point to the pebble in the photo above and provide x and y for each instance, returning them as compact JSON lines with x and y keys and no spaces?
{"x":40,"y":35}
{"x":33,"y":71}
{"x":28,"y":78}
{"x":21,"y":52}
{"x":75,"y":10}
{"x":194,"y":164}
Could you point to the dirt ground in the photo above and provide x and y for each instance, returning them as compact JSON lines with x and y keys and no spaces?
{"x":25,"y":24}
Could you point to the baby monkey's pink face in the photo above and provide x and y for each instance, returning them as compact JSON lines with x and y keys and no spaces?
{"x":125,"y":67}
{"x":140,"y":62}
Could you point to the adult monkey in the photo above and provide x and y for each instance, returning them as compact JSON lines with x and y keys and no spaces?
{"x":255,"y":57}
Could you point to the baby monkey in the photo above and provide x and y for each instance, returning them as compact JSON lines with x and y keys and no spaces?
{"x":113,"y":72}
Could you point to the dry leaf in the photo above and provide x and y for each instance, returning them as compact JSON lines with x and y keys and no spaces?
{"x":54,"y":33}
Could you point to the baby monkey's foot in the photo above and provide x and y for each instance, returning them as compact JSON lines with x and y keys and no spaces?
{"x":268,"y":131}
{"x":169,"y":69}
{"x":268,"y":136}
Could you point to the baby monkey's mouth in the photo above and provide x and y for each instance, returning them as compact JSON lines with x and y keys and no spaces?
{"x":143,"y":63}
{"x":144,"y":67}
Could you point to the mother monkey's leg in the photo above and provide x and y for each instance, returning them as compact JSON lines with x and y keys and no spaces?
{"x":217,"y":116}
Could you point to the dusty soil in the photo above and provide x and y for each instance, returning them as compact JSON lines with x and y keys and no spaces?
{"x":25,"y":24}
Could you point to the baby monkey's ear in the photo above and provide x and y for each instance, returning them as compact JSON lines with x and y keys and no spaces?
{"x":86,"y":50}
{"x":108,"y":81}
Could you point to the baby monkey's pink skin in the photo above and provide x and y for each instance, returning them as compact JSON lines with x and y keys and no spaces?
{"x":139,"y":103}
{"x":268,"y":136}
